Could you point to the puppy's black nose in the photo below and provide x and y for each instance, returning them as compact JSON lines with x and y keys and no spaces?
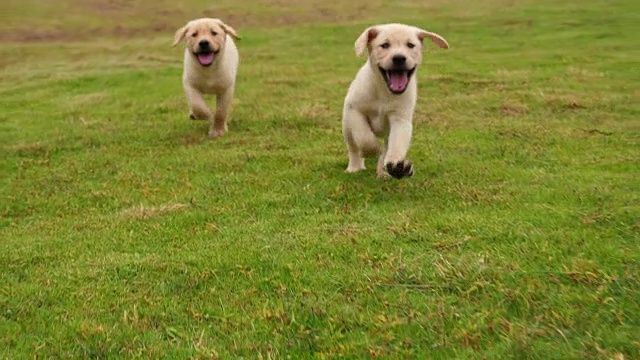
{"x":399,"y":60}
{"x":204,"y":43}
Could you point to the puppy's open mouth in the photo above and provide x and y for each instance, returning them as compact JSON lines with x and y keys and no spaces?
{"x":205,"y":58}
{"x":397,"y":79}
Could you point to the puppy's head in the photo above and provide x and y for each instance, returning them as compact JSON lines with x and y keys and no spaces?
{"x":396,"y":50}
{"x":205,"y":38}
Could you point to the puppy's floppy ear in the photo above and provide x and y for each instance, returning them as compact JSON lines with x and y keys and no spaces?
{"x":437,"y":39}
{"x":363,"y":40}
{"x":229,"y":30}
{"x":180,"y":34}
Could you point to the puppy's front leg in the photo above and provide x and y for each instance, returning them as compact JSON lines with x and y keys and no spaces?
{"x":199,"y":110}
{"x":223,"y":103}
{"x":397,"y":147}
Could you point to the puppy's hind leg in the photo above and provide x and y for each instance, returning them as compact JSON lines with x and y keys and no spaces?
{"x":356,"y":160}
{"x":218,"y":126}
{"x":360,"y":139}
{"x":198,"y":108}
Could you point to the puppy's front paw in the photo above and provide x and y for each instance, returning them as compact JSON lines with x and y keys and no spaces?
{"x":354,"y":168}
{"x":381,"y":170}
{"x":383,"y":175}
{"x":214,"y":133}
{"x":192,"y":116}
{"x":402,"y":168}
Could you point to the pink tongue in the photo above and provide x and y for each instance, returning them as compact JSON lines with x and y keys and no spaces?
{"x":398,"y":81}
{"x":205,"y":59}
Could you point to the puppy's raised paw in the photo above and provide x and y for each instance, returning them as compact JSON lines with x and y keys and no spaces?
{"x":402,"y":168}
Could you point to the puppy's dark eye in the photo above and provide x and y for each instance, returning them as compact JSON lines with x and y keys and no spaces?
{"x":411,"y":45}
{"x":194,"y":34}
{"x":385,"y":46}
{"x":214,"y":33}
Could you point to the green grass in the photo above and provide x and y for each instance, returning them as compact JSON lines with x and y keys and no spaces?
{"x":127,"y":233}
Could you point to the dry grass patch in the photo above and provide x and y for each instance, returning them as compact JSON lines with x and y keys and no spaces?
{"x":142,"y":212}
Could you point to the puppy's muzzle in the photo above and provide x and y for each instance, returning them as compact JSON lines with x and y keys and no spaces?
{"x":399,"y":60}
{"x":398,"y":75}
{"x":205,"y":53}
{"x":204,"y":46}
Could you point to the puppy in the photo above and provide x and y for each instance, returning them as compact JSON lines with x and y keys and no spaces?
{"x":382,"y":97}
{"x":210,"y":67}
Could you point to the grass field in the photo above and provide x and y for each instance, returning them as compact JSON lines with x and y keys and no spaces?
{"x":127,"y":233}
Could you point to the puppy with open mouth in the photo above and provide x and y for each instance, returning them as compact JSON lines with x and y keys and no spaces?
{"x":381,"y":99}
{"x":210,"y":67}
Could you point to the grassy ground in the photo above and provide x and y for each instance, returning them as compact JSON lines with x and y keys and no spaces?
{"x":127,"y":233}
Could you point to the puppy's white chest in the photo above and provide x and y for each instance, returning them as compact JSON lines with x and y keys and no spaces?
{"x":211,"y":83}
{"x":378,"y":121}
{"x":208,"y":82}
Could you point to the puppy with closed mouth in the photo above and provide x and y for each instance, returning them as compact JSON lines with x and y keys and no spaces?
{"x":210,"y":67}
{"x":381,"y":99}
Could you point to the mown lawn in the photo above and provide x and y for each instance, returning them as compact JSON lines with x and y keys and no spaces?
{"x":127,"y":233}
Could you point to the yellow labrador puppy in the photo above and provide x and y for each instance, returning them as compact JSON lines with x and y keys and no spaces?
{"x":210,"y":67}
{"x":381,"y":99}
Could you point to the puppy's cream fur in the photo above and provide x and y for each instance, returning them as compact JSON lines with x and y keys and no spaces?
{"x":381,"y":99}
{"x":209,"y":71}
